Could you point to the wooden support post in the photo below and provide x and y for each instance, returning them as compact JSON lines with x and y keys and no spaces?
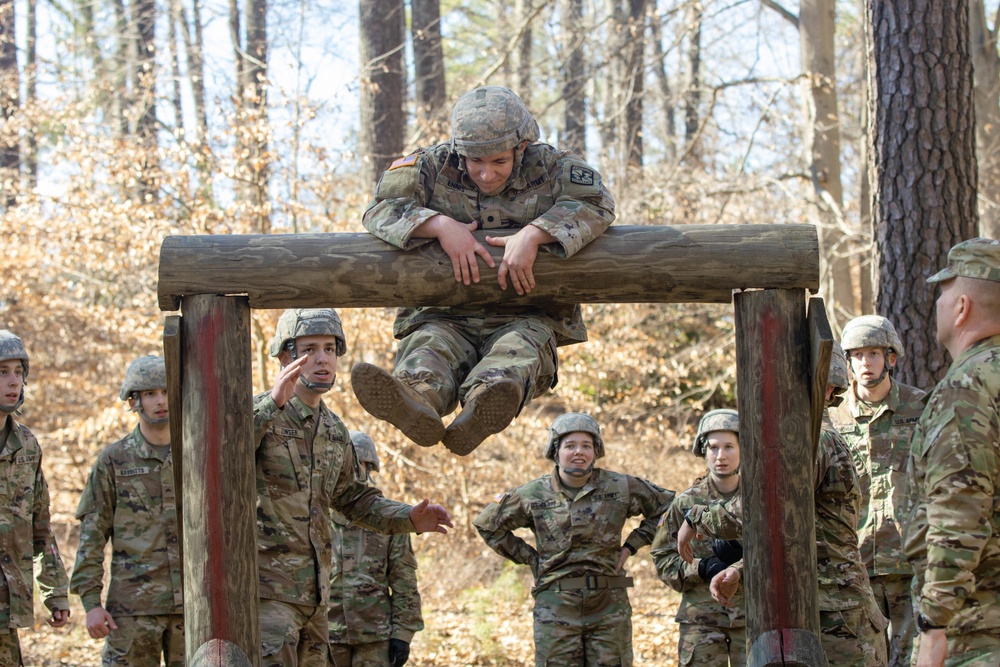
{"x":627,"y":264}
{"x":173,"y":358}
{"x":221,"y":608}
{"x":779,"y":533}
{"x":820,"y":351}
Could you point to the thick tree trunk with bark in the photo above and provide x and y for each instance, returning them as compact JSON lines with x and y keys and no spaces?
{"x":663,"y":82}
{"x":30,"y":160}
{"x":923,"y":163}
{"x":692,"y":96}
{"x":635,"y":88}
{"x":821,"y":142}
{"x":10,"y":144}
{"x":522,"y":14}
{"x":574,"y":81}
{"x":428,"y":67}
{"x":383,"y":82}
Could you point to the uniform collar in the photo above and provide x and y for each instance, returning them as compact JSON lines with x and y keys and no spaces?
{"x":302,"y":411}
{"x":14,"y":441}
{"x":145,"y":449}
{"x":557,"y":485}
{"x":976,"y":348}
{"x":860,"y":408}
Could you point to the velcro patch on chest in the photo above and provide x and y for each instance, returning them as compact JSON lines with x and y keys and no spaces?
{"x":905,"y":421}
{"x":24,"y":459}
{"x":407,"y":161}
{"x":611,"y":495}
{"x":543,"y":504}
{"x":132,"y":472}
{"x":287,"y":432}
{"x":581,"y":175}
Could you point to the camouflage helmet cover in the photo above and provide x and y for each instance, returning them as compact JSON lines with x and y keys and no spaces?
{"x":490,"y":120}
{"x":12,"y":347}
{"x":871,"y":331}
{"x":144,"y":374}
{"x":571,"y":422}
{"x":297,"y":322}
{"x":364,"y":449}
{"x":724,"y":419}
{"x":838,"y":377}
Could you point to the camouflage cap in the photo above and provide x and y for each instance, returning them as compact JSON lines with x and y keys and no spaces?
{"x":490,"y":120}
{"x":364,"y":449}
{"x":871,"y":331}
{"x":975,"y":258}
{"x":297,"y":322}
{"x":723,"y":419}
{"x":144,"y":374}
{"x":12,"y":347}
{"x":572,"y":422}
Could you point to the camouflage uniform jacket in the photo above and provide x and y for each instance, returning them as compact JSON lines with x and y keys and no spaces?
{"x":129,"y":499}
{"x":373,"y":590}
{"x":952,"y":534}
{"x":25,"y":534}
{"x":305,"y":465}
{"x":697,"y":605}
{"x":843,"y":579}
{"x":552,"y":189}
{"x":574,"y":537}
{"x":879,"y":439}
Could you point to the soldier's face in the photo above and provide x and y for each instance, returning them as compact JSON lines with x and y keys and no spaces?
{"x":11,"y":381}
{"x":491,"y":173}
{"x":576,"y":451}
{"x":322,"y":352}
{"x":867,"y":363}
{"x":154,"y":405}
{"x":722,"y":452}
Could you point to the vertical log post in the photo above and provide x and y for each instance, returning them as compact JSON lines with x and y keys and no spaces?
{"x":221,"y":620}
{"x":779,"y":532}
{"x":173,"y":358}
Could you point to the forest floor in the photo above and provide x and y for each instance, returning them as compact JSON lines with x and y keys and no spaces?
{"x":646,"y":376}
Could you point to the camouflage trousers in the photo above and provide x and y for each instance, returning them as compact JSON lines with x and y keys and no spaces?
{"x":711,"y":646}
{"x":851,"y":638}
{"x":372,"y":654}
{"x":975,"y":649}
{"x":139,"y":641}
{"x":10,"y":647}
{"x":293,"y":635}
{"x":892,"y":593}
{"x":448,"y":358}
{"x":583,"y":628}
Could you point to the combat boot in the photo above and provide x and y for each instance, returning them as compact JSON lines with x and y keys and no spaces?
{"x":487,"y":410}
{"x":384,"y":397}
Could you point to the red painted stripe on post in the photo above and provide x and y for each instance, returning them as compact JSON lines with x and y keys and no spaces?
{"x":774,"y":336}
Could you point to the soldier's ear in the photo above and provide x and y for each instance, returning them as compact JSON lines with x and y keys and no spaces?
{"x":890,"y":359}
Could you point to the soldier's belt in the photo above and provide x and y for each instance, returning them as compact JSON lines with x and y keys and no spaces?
{"x":592,"y":582}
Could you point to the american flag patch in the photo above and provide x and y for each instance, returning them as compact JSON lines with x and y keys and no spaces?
{"x":499,"y":497}
{"x":407,"y":161}
{"x":663,"y":517}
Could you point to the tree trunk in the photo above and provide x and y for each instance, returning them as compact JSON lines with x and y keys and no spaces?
{"x":821,"y":142}
{"x":865,"y":264}
{"x":986,"y":68}
{"x":692,"y":97}
{"x":522,"y":13}
{"x":31,"y":94}
{"x":10,"y":150}
{"x":253,"y":132}
{"x":175,"y":67}
{"x":144,"y":97}
{"x":923,"y":163}
{"x":635,"y":78}
{"x":428,"y":67}
{"x":574,"y":136}
{"x":121,"y":97}
{"x":383,"y":83}
{"x":663,"y":81}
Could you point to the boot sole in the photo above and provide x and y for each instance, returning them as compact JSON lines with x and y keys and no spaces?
{"x":380,"y":395}
{"x":490,"y":412}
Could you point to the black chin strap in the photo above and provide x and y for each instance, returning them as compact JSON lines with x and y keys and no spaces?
{"x":9,"y":409}
{"x":318,"y":387}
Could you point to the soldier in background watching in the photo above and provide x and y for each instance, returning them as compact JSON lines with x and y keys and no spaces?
{"x":877,"y":420}
{"x":952,"y":532}
{"x":711,"y":634}
{"x":374,"y":600}
{"x":851,"y":625}
{"x":305,"y":466}
{"x":129,"y":500}
{"x":492,"y":175}
{"x":577,"y":513}
{"x":24,"y":514}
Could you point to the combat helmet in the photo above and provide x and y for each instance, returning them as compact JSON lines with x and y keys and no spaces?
{"x":12,"y":347}
{"x":571,"y":422}
{"x":297,"y":322}
{"x":144,"y":374}
{"x":490,"y":120}
{"x":723,"y":419}
{"x":838,"y":374}
{"x":364,"y":449}
{"x":871,"y":331}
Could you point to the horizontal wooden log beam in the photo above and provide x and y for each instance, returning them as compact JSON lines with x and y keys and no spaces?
{"x":628,"y":264}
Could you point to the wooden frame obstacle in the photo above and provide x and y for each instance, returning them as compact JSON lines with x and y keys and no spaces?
{"x":782,"y":361}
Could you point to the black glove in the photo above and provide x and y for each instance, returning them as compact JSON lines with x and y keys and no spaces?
{"x":399,"y":652}
{"x":728,"y":551}
{"x":709,"y":567}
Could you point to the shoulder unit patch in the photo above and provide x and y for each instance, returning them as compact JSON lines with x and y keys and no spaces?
{"x":581,"y":175}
